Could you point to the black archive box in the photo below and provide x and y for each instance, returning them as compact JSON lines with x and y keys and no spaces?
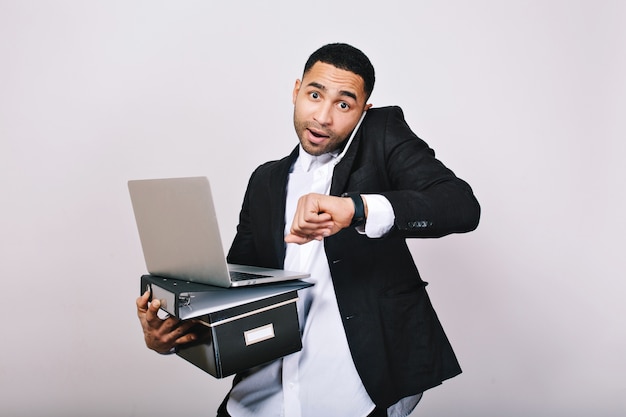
{"x":239,"y":328}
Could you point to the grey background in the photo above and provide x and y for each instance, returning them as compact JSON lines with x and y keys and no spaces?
{"x":523,"y":99}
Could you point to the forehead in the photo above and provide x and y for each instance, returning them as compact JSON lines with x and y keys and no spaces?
{"x":334,"y":80}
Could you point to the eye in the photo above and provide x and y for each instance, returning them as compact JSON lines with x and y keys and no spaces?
{"x":314,"y":95}
{"x":344,"y":106}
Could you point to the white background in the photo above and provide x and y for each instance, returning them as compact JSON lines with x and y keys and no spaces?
{"x":523,"y":99}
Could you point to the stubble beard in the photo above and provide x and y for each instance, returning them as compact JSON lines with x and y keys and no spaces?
{"x":332,"y":143}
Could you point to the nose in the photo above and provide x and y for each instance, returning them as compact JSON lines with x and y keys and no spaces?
{"x":323,"y":115}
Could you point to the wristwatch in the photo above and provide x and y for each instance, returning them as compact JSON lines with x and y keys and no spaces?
{"x":359,"y":209}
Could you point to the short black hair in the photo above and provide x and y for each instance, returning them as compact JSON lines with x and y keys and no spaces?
{"x":345,"y":57}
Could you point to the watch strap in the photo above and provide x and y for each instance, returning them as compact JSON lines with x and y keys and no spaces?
{"x":359,"y":209}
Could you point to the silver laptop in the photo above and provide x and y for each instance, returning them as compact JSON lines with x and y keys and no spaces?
{"x":180,"y":237}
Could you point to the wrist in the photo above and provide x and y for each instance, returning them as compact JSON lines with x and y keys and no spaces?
{"x":360,"y":209}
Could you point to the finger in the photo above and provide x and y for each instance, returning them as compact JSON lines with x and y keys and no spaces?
{"x":309,"y":233}
{"x":187,"y":338}
{"x":308,"y":210}
{"x":166,"y":339}
{"x":152,"y":313}
{"x":175,"y":326}
{"x":183,"y":333}
{"x":293,"y":238}
{"x":142,"y":302}
{"x":300,"y":238}
{"x":306,"y":226}
{"x":316,"y":216}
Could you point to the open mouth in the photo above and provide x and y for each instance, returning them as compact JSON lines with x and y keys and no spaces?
{"x":318,"y":134}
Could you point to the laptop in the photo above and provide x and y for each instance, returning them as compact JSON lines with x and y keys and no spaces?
{"x":180,"y":237}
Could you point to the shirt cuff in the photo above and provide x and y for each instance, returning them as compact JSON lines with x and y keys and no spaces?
{"x":380,"y":216}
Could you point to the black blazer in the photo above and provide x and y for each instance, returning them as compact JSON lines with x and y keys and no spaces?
{"x":397,"y":343}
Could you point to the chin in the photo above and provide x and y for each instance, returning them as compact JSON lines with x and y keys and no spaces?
{"x":313,"y":150}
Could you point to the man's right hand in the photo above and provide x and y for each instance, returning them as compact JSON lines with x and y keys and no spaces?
{"x":318,"y":216}
{"x":161,"y":335}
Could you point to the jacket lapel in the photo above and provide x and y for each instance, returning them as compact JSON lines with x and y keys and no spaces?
{"x":278,"y":187}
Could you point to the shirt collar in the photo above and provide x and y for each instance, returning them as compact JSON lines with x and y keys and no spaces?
{"x":306,"y":160}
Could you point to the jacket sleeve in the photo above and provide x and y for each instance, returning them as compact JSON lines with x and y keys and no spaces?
{"x":428,"y":199}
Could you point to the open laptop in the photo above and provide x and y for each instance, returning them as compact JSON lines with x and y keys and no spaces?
{"x":180,"y":237}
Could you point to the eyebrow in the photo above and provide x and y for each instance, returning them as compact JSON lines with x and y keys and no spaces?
{"x":341,"y":92}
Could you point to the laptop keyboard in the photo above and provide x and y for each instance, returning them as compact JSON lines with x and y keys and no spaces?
{"x":242,"y":276}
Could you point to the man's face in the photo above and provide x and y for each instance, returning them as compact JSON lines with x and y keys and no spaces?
{"x":328,"y":104}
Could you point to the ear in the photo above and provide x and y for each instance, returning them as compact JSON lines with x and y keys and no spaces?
{"x":296,"y":89}
{"x":367,"y":106}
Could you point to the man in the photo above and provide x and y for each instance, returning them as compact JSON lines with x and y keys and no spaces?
{"x":340,"y":206}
